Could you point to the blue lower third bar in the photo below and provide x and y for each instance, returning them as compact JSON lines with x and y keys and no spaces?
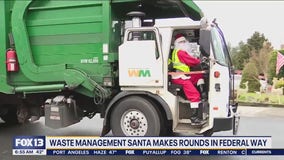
{"x":227,"y":152}
{"x":107,"y":152}
{"x":265,"y":152}
{"x":83,"y":152}
{"x":145,"y":152}
{"x":167,"y":152}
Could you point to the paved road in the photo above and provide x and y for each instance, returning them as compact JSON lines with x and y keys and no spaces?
{"x":255,"y":121}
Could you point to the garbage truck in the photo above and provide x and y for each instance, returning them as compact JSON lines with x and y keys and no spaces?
{"x":66,"y":60}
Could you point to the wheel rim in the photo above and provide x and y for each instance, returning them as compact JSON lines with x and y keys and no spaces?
{"x":134,"y":123}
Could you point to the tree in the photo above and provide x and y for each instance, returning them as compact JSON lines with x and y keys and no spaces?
{"x":256,"y":41}
{"x":254,"y":58}
{"x":258,"y":64}
{"x":233,"y":55}
{"x":261,"y":59}
{"x":241,"y":57}
{"x":250,"y":75}
{"x":245,"y":50}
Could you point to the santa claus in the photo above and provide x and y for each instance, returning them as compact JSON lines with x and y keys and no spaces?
{"x":182,"y":60}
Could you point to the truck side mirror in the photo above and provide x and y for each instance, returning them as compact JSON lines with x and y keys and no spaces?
{"x":204,"y":42}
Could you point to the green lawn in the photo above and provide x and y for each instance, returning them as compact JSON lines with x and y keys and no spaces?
{"x":265,"y":98}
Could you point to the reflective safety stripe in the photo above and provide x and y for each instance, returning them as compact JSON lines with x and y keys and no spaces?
{"x":177,"y":64}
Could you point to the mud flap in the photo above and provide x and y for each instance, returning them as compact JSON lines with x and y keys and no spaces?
{"x":236,"y":121}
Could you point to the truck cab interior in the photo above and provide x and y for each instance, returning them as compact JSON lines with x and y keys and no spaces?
{"x":193,"y":37}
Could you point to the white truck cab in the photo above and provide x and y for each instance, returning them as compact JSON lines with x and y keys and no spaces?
{"x":155,"y":106}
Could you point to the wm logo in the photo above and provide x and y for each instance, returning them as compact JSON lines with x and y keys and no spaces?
{"x":139,"y":73}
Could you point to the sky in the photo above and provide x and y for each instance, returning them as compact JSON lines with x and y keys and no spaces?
{"x":240,"y":19}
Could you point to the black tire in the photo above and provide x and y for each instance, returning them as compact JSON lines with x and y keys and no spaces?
{"x":135,"y":116}
{"x":165,"y":125}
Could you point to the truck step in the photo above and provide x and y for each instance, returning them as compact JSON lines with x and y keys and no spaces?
{"x":181,"y":100}
{"x":187,"y":128}
{"x":187,"y":121}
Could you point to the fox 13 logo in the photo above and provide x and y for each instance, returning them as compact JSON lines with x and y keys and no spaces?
{"x":29,"y":142}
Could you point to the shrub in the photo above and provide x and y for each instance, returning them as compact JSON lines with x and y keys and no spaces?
{"x":250,"y":75}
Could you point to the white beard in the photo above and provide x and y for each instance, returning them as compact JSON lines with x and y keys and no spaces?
{"x":185,"y":47}
{"x":188,"y":48}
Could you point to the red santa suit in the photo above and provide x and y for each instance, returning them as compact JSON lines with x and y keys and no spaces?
{"x":188,"y":82}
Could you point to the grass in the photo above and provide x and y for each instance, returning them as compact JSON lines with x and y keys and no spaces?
{"x":265,"y":98}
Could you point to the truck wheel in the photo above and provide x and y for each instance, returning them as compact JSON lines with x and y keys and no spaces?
{"x":135,"y":116}
{"x":165,"y":125}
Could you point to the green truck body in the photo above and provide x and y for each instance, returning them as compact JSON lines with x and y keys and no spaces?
{"x":60,"y":43}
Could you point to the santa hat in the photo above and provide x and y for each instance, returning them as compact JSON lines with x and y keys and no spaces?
{"x":179,"y":37}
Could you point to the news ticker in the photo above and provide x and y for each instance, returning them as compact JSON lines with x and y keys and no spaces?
{"x":220,"y":152}
{"x":89,"y":145}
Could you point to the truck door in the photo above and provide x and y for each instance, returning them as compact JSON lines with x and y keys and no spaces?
{"x":140,"y":58}
{"x":213,"y":45}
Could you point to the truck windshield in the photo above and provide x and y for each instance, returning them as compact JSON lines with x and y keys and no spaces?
{"x":220,"y":48}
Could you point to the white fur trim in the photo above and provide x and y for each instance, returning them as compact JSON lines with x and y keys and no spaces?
{"x":200,"y":81}
{"x":180,"y":39}
{"x":194,"y":104}
{"x":182,"y":76}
